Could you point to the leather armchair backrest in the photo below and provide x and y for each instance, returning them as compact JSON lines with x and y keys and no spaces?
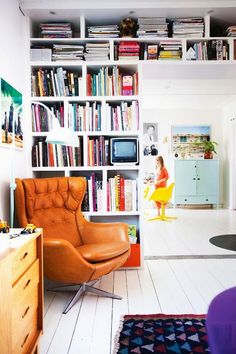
{"x":53,"y":204}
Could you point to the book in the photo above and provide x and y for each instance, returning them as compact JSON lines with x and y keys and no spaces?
{"x":127,"y":85}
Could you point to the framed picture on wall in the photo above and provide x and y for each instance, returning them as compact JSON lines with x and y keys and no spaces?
{"x":10,"y":114}
{"x":150,"y":139}
{"x":184,"y":138}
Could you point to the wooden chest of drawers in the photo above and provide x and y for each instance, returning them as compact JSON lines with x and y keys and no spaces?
{"x":21,"y":295}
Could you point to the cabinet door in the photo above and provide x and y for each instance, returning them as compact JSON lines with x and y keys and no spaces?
{"x":207,"y":177}
{"x":185,"y":178}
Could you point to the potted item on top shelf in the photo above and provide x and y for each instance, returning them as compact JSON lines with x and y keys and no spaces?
{"x":209,"y":148}
{"x":128,"y":27}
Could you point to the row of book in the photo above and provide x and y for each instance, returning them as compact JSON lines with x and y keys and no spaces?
{"x":93,"y":195}
{"x":86,"y":117}
{"x":55,"y":82}
{"x":122,"y":117}
{"x":96,"y":51}
{"x":98,"y":151}
{"x":111,"y":82}
{"x":55,"y":30}
{"x":216,"y":49}
{"x":41,"y":121}
{"x":146,"y":51}
{"x":52,"y":155}
{"x":146,"y":27}
{"x":121,"y":194}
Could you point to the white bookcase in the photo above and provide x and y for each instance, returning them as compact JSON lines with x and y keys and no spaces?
{"x":80,"y":24}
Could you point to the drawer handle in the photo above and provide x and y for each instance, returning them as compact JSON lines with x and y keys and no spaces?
{"x":25,"y":313}
{"x":24,"y":255}
{"x":24,"y":341}
{"x":27,"y":283}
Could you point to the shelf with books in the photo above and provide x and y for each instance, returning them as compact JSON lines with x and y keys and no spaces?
{"x":111,"y":80}
{"x":50,"y":81}
{"x":210,"y":49}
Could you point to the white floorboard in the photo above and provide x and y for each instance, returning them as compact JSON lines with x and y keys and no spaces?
{"x":189,"y":234}
{"x":170,"y":284}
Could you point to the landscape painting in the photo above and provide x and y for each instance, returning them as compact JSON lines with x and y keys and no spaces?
{"x":10,"y":114}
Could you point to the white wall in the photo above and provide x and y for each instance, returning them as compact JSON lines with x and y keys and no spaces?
{"x":172,"y":116}
{"x":13,"y":70}
{"x":229,"y":123}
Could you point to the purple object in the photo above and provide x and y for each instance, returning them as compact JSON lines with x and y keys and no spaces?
{"x":221,"y":323}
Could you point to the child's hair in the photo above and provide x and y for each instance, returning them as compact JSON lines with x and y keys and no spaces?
{"x":160,"y":160}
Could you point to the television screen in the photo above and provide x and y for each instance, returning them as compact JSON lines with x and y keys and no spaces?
{"x":124,"y":150}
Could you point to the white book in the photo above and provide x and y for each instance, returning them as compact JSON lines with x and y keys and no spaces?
{"x":90,"y":194}
{"x":128,"y":194}
{"x":99,"y":200}
{"x":40,"y":144}
{"x":134,"y":195}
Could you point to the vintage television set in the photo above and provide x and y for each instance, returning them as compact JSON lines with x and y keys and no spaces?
{"x":124,"y":151}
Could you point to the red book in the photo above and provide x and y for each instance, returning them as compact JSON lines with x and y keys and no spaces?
{"x":122,"y":194}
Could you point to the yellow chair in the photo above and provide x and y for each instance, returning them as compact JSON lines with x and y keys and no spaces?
{"x":162,"y":195}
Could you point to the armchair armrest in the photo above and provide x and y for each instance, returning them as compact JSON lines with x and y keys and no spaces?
{"x":104,"y":232}
{"x":62,"y":261}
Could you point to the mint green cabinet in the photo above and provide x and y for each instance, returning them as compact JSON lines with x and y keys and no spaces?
{"x":196,"y":182}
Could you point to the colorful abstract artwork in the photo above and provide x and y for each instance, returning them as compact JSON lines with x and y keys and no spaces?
{"x":10,"y":115}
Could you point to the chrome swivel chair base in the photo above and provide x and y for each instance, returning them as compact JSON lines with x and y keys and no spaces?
{"x":80,"y":290}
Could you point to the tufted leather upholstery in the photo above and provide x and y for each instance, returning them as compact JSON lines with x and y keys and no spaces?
{"x":75,"y":250}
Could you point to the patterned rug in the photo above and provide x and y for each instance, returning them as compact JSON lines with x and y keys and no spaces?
{"x":169,"y":334}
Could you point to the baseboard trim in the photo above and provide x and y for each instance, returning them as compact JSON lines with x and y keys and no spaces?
{"x":194,"y":256}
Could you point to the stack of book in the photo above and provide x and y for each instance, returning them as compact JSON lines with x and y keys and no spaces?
{"x":53,"y":155}
{"x":93,"y":196}
{"x":121,"y":194}
{"x":152,"y":27}
{"x":171,"y":49}
{"x":67,"y":52}
{"x":86,"y":117}
{"x":128,"y":50}
{"x":96,"y":51}
{"x":231,"y":31}
{"x":106,"y":31}
{"x":56,"y":30}
{"x":188,"y":27}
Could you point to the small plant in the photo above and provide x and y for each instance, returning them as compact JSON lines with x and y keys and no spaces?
{"x":209,"y":146}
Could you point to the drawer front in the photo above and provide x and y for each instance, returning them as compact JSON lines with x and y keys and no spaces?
{"x":24,"y":309}
{"x":23,"y":258}
{"x":196,"y":200}
{"x":22,"y":343}
{"x":26,"y":283}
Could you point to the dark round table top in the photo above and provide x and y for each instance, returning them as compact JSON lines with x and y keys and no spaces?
{"x":227,"y":242}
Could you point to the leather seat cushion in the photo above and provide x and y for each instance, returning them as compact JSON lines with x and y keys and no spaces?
{"x":98,"y":252}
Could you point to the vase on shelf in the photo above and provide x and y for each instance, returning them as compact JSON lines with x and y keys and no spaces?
{"x":208,"y":155}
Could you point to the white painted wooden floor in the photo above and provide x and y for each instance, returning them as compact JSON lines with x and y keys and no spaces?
{"x":189,"y":234}
{"x":165,"y":285}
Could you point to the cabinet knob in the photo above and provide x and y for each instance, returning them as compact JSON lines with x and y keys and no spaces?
{"x":194,"y":179}
{"x":185,"y":200}
{"x":206,"y":200}
{"x":198,"y":179}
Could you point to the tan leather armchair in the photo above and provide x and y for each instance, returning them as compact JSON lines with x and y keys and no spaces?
{"x":75,"y":251}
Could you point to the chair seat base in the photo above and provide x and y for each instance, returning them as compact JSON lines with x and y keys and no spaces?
{"x":80,"y":290}
{"x":163,"y":218}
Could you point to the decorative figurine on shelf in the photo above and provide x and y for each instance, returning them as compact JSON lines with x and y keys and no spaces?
{"x":128,"y":27}
{"x":4,"y":227}
{"x":29,"y":229}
